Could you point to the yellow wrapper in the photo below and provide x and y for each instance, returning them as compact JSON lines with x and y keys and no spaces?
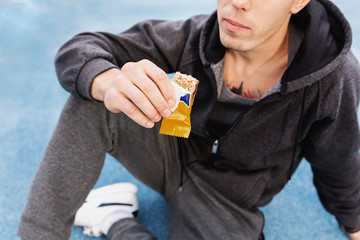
{"x":178,"y":123}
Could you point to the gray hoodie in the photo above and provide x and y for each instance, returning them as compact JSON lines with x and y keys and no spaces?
{"x":314,"y":116}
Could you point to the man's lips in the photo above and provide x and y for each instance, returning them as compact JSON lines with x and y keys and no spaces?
{"x":234,"y":26}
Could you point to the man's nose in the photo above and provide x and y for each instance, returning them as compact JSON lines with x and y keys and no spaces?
{"x":242,"y":4}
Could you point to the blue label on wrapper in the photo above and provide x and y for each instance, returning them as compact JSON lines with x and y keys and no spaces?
{"x":185,"y":99}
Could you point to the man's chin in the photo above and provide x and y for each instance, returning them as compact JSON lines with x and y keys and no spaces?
{"x":234,"y":43}
{"x":235,"y":47}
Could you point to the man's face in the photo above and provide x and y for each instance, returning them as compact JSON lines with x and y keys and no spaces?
{"x":247,"y":25}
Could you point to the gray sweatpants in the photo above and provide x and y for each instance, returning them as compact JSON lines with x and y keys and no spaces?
{"x":72,"y":163}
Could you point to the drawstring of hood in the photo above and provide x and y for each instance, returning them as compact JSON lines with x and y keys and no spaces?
{"x":297,"y":134}
{"x":183,"y":154}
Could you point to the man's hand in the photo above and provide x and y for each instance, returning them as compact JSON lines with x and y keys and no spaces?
{"x":140,"y":90}
{"x":354,"y":236}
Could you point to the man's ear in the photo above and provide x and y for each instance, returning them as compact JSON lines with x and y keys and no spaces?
{"x":298,"y":6}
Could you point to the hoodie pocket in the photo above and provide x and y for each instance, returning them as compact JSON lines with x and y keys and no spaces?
{"x":252,"y":197}
{"x":241,"y":187}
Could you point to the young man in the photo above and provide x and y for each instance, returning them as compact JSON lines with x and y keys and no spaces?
{"x":278,"y":82}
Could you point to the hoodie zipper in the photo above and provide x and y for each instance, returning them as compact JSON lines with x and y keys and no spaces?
{"x":215,"y":146}
{"x":217,"y":141}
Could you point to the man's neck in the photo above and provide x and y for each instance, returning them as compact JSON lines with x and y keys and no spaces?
{"x":251,"y":74}
{"x":265,"y":54}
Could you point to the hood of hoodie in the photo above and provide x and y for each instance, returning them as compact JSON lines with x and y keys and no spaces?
{"x":327,"y":39}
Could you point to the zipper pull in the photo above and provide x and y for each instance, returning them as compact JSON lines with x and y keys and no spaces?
{"x":215,"y":147}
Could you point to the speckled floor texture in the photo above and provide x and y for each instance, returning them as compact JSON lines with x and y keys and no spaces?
{"x":31,"y":31}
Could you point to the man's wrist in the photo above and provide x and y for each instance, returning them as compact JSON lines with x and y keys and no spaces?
{"x":101,"y":82}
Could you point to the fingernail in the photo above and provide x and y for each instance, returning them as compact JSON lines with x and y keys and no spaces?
{"x":157,"y":118}
{"x":149,"y":124}
{"x":171,"y":103}
{"x":166,"y":113}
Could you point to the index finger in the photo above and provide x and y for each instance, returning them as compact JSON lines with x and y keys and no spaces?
{"x":161,"y":79}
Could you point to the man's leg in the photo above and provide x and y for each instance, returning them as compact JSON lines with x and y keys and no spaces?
{"x":200,"y":212}
{"x":129,"y":228}
{"x":73,"y":161}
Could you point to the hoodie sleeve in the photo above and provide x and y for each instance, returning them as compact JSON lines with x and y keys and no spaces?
{"x":85,"y":56}
{"x":333,"y":143}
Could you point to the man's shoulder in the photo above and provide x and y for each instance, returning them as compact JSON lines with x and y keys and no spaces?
{"x":349,"y":69}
